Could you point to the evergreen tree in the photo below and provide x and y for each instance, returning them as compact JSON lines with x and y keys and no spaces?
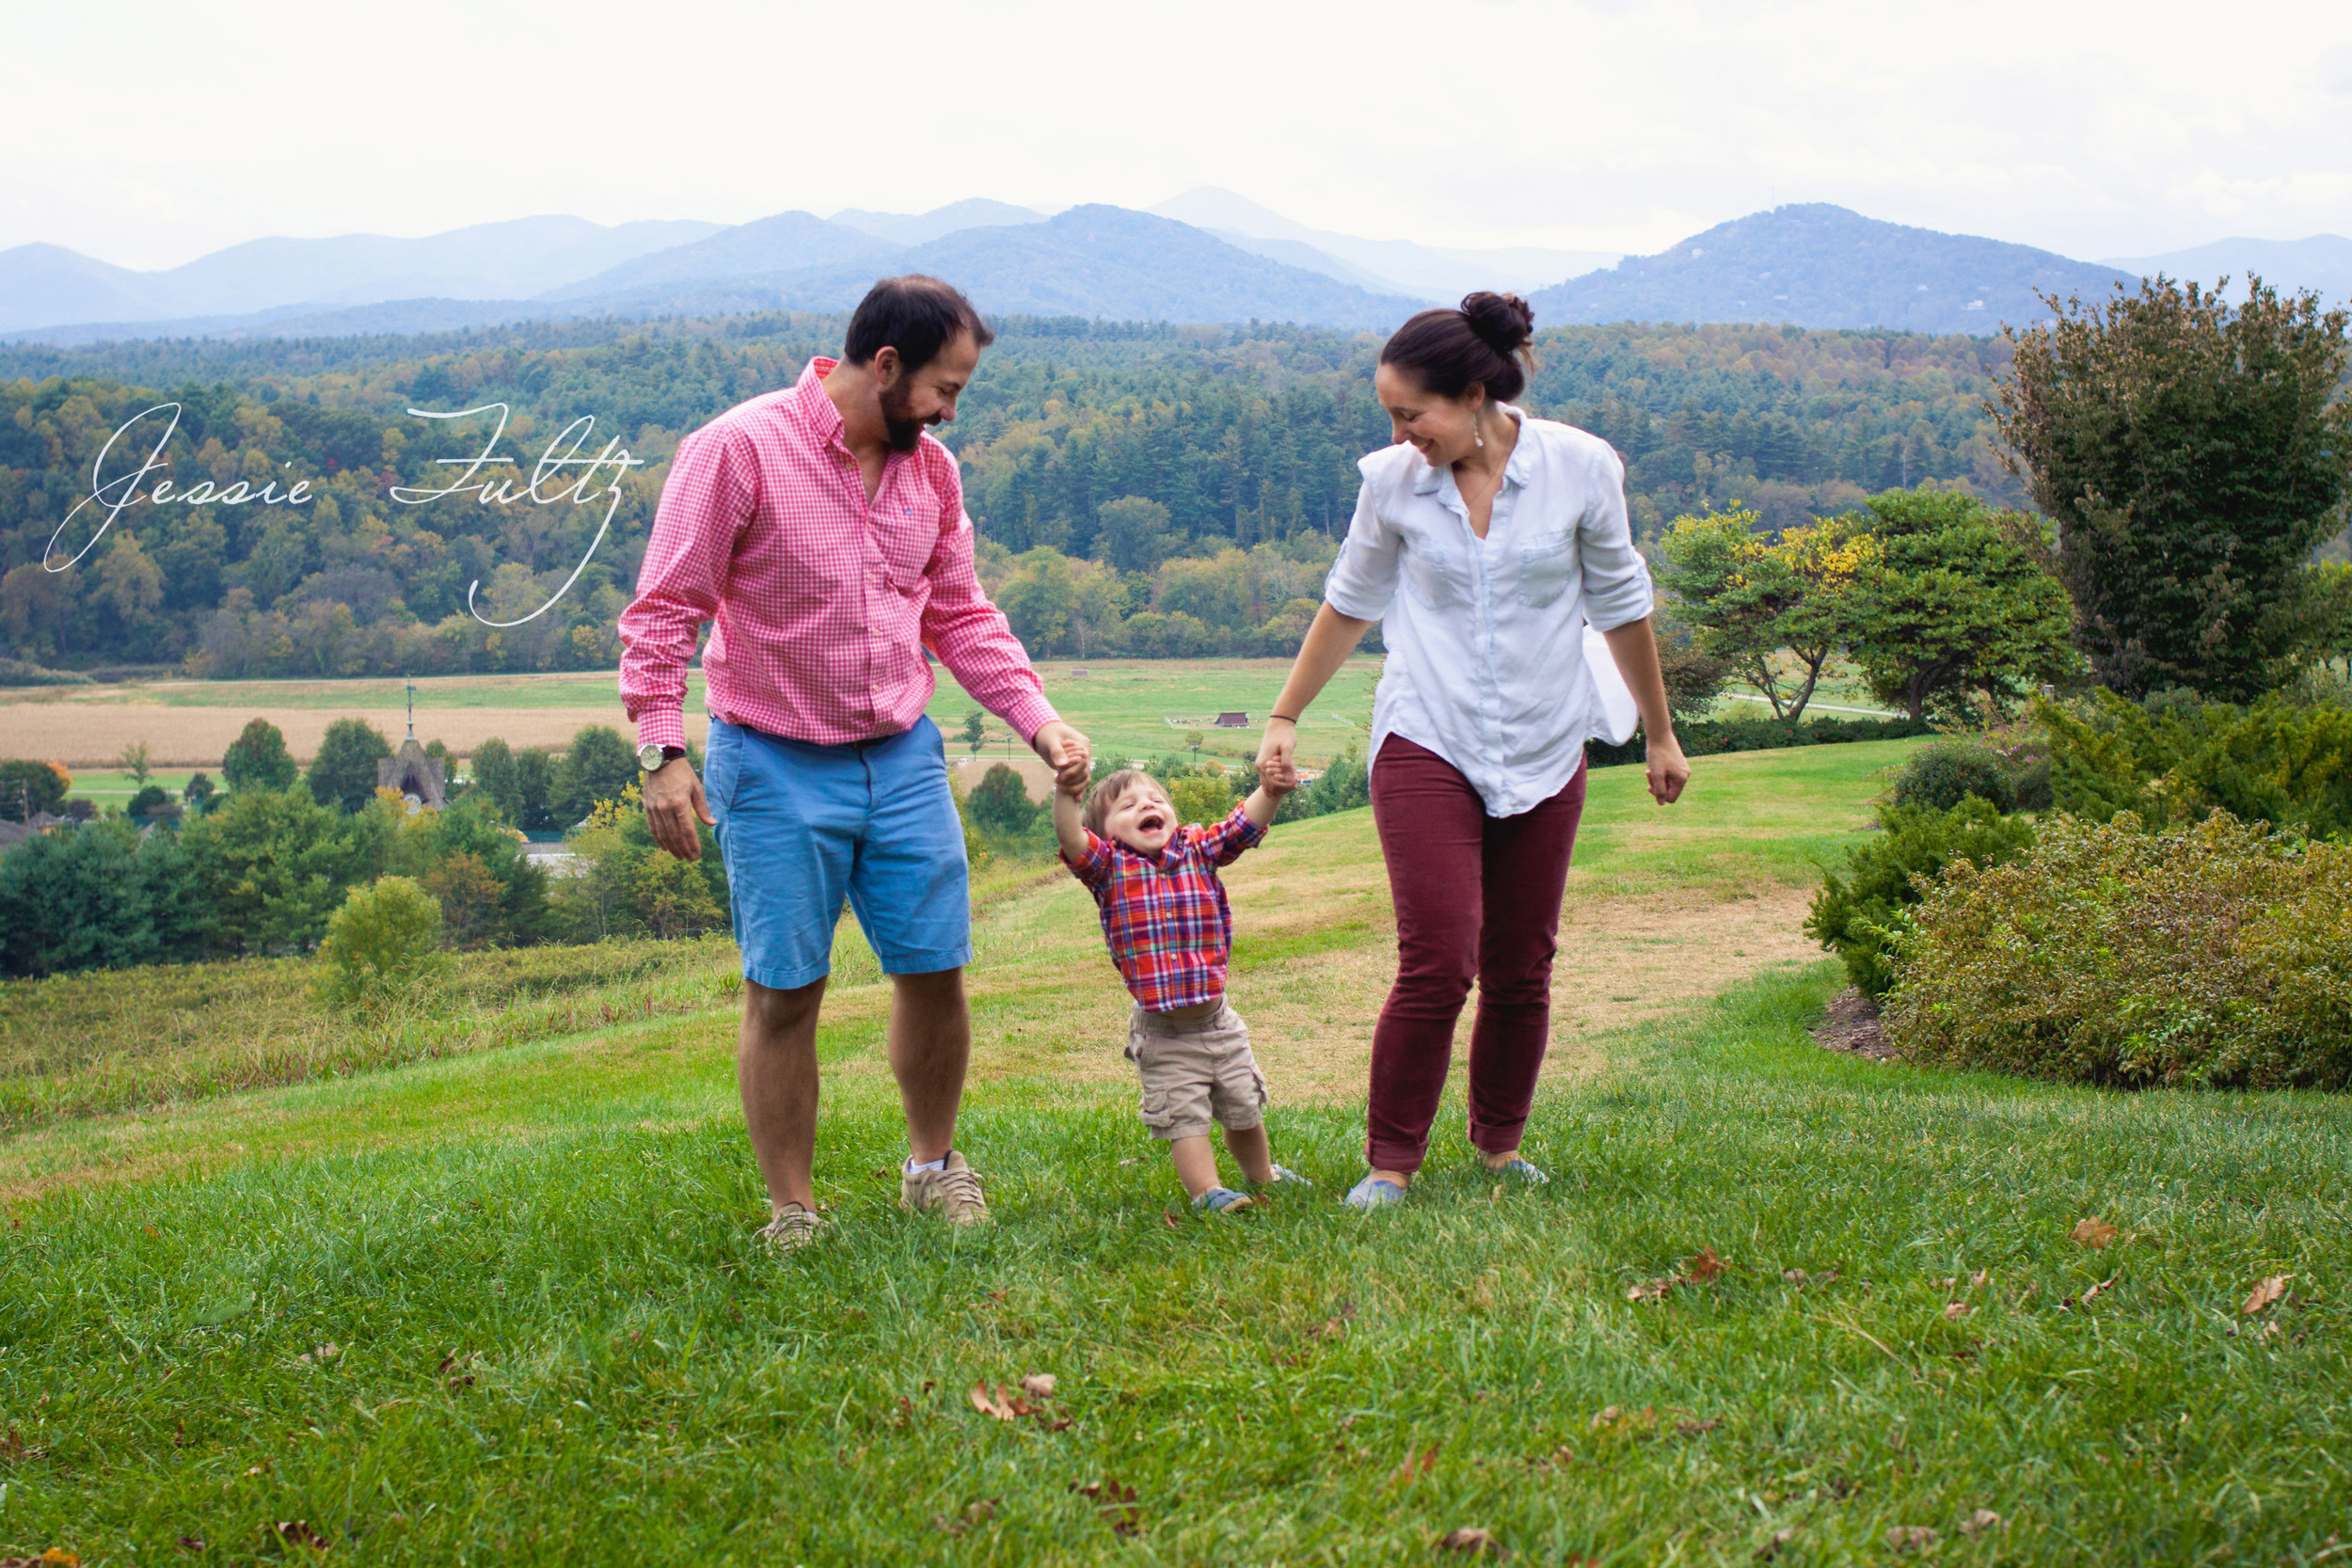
{"x":2192,"y":455}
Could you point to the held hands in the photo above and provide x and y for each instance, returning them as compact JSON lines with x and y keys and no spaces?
{"x":1275,"y":775}
{"x":674,"y":804}
{"x":1273,"y":752}
{"x":1066,"y":751}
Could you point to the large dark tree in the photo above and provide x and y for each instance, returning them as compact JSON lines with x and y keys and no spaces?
{"x":2192,"y":455}
{"x":344,"y":773}
{"x":600,"y":766}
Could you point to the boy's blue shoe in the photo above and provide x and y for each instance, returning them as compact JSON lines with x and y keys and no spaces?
{"x":1372,"y":1192}
{"x":1526,"y":1175}
{"x":1283,"y":1177}
{"x":1220,"y":1200}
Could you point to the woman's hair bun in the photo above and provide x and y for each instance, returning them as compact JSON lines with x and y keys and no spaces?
{"x":1504,"y":322}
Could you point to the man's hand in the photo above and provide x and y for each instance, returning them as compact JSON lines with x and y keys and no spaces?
{"x":674,"y":804}
{"x":1065,"y":750}
{"x":1668,"y":770}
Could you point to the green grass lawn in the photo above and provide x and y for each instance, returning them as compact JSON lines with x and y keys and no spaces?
{"x":555,"y":1340}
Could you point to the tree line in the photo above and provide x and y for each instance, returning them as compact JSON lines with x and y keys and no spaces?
{"x":259,"y":865}
{"x":1242,"y":437}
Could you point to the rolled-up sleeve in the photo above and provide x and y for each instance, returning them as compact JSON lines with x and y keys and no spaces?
{"x":1363,"y":579}
{"x":710,"y":496}
{"x":1616,"y":578}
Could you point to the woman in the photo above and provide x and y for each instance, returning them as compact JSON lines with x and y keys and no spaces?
{"x":1506,"y":534}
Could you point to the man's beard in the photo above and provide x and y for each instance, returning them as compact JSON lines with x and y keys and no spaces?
{"x":899,"y":420}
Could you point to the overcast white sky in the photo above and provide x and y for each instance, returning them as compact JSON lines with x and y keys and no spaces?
{"x":149,"y":133}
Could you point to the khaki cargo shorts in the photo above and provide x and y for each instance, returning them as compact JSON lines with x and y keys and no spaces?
{"x":1195,"y":1073}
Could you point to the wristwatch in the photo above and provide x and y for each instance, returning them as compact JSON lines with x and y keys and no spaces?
{"x":650,"y":757}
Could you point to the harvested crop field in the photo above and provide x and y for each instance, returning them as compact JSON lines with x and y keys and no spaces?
{"x":83,"y":735}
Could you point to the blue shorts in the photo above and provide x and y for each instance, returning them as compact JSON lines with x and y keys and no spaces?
{"x":799,"y":826}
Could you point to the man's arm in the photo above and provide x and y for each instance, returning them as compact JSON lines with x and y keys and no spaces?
{"x":974,"y":641}
{"x":712,"y":493}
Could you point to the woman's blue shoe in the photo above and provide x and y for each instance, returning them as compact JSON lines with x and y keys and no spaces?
{"x":1372,"y":1192}
{"x":1220,"y":1200}
{"x":1526,"y":1174}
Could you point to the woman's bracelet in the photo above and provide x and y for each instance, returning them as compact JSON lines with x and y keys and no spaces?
{"x":1284,"y":716}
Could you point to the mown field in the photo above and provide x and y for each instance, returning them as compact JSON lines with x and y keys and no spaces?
{"x":1135,"y":707}
{"x":1777,"y":1305}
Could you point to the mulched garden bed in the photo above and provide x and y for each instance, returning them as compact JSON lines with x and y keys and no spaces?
{"x":1851,"y":1025}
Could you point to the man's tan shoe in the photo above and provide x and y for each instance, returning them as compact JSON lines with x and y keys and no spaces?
{"x":954,"y":1190}
{"x":793,"y":1228}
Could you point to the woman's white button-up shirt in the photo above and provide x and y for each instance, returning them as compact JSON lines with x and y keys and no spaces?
{"x":1486,"y":661}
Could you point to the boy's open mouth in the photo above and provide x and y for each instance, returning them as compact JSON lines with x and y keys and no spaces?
{"x":1150,"y":822}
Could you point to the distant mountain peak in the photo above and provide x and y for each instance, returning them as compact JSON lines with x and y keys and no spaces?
{"x":1820,"y":265}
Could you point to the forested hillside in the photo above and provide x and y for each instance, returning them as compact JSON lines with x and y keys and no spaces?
{"x":1243,"y":437}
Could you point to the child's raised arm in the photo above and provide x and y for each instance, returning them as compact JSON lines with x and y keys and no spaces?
{"x":1068,"y":829}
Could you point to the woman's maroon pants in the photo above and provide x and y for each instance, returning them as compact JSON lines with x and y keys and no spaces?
{"x":1477,"y":896}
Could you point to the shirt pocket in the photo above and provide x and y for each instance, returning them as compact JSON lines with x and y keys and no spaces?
{"x":1547,"y":563}
{"x":906,"y":528}
{"x":1436,"y":574}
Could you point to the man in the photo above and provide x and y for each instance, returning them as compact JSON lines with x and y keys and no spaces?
{"x":823,"y":529}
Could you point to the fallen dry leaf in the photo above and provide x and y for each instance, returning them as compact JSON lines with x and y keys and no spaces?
{"x":1705,"y":1268}
{"x":1772,"y":1549}
{"x":1415,"y":1466}
{"x":192,"y":1543}
{"x":297,"y":1532}
{"x":1957,"y":1310}
{"x":1650,"y":1290}
{"x":321,"y":1353}
{"x":2265,"y":1293}
{"x":1478,"y":1543}
{"x":1038,"y":1386}
{"x":1170,"y":1215}
{"x":2095,"y":1232}
{"x":2106,"y":1284}
{"x":1978,"y":1523}
{"x":56,"y":1557}
{"x":1976,"y":1280}
{"x":1694,"y":1428}
{"x":1914,"y":1538}
{"x":988,"y":1404}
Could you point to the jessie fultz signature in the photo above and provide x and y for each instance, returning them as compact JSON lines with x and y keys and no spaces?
{"x":566,"y":457}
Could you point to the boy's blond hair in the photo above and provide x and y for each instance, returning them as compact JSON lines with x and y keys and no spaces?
{"x":1103,"y":796}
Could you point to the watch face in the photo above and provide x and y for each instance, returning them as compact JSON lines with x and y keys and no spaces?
{"x":649,"y":757}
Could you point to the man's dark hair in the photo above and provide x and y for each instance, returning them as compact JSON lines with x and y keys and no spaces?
{"x":917,"y":315}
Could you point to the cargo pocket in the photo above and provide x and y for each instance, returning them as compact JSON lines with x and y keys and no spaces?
{"x":1154,"y":1109}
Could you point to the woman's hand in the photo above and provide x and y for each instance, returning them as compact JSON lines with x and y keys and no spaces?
{"x":1275,"y":746}
{"x":1668,"y":770}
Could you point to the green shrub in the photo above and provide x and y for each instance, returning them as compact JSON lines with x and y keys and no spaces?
{"x":258,"y":758}
{"x":1938,"y":777}
{"x":2212,"y":953}
{"x":29,"y":788}
{"x":385,"y":938}
{"x":1863,"y":911}
{"x":1000,"y":801}
{"x":1206,"y":797}
{"x":2175,"y":759}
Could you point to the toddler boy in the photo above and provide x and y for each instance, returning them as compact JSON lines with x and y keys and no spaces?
{"x":1170,"y":932}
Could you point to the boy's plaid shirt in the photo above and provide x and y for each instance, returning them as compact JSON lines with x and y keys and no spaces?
{"x":1170,"y":929}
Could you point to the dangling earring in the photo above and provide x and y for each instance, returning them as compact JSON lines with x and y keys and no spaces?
{"x":1476,"y":434}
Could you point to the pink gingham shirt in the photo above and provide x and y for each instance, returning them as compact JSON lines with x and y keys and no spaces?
{"x":823,"y":601}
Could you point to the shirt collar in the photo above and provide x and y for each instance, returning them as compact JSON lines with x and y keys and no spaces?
{"x":825,"y":419}
{"x":1517,"y":469}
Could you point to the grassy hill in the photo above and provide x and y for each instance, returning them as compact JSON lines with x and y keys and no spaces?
{"x":506,"y":1306}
